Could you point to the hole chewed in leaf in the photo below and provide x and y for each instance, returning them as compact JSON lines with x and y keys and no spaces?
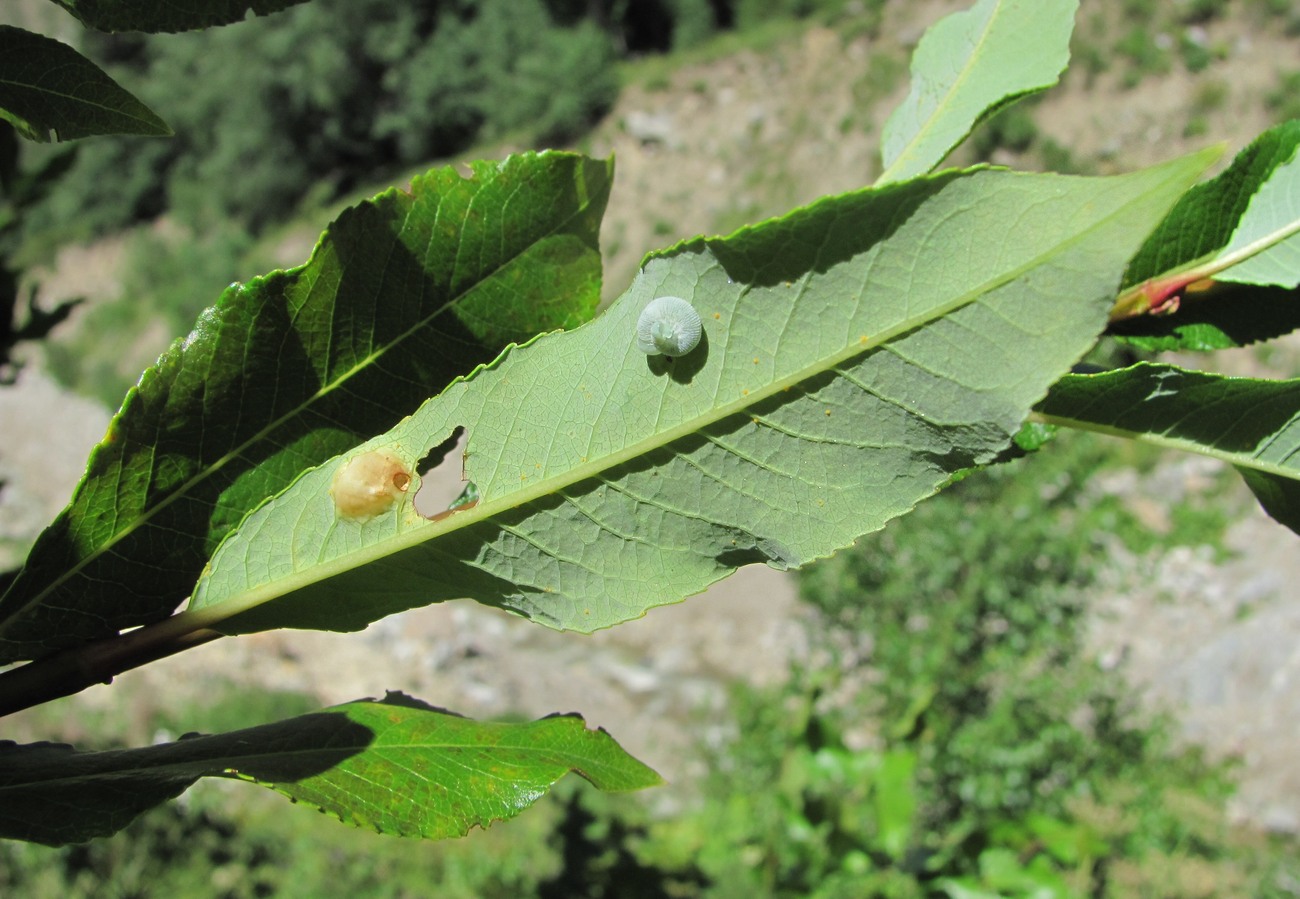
{"x":444,"y":485}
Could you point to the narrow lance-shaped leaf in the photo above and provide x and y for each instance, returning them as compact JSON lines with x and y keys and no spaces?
{"x":856,"y":354}
{"x":49,"y":92}
{"x":395,"y":766}
{"x":967,"y":66}
{"x":168,"y":15}
{"x":1242,"y":226}
{"x":1250,"y":423}
{"x":402,"y":294}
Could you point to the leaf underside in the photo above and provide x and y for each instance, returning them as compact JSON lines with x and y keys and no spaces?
{"x":848,"y":369}
{"x":967,"y":66}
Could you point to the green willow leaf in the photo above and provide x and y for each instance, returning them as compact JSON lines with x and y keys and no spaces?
{"x":402,"y":294}
{"x":856,"y":354}
{"x":395,"y":766}
{"x":50,"y":92}
{"x":1250,"y":423}
{"x":966,"y":67}
{"x":1240,"y":226}
{"x":1202,"y":223}
{"x":168,"y":15}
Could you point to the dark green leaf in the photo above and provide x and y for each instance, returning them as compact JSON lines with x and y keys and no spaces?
{"x":1250,"y":423}
{"x":1223,"y":317}
{"x":395,"y":766}
{"x":402,"y":294}
{"x":1279,"y":495}
{"x":1202,"y":222}
{"x":50,"y":92}
{"x":1237,"y":227}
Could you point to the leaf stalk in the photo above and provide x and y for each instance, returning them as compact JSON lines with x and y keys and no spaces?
{"x":72,"y":670}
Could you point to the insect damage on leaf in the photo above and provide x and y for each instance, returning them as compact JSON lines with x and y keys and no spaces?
{"x":369,"y":485}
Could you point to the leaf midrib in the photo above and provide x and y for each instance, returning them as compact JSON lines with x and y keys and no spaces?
{"x":1237,"y":459}
{"x":1255,"y":247}
{"x":74,"y":99}
{"x":221,"y":764}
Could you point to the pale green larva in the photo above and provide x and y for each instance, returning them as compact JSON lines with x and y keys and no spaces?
{"x":668,"y":326}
